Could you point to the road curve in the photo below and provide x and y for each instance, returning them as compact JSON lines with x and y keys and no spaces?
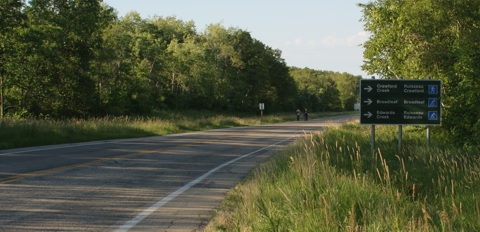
{"x":164,"y":183}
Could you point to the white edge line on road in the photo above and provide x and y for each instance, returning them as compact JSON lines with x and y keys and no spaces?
{"x":128,"y":225}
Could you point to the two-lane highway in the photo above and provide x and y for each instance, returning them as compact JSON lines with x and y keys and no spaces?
{"x":165,"y":183}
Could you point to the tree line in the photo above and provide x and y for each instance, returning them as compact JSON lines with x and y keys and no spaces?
{"x":77,"y":58}
{"x":440,"y":39}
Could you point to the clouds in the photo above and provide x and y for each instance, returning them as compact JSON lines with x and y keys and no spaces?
{"x":332,"y":53}
{"x":298,"y":41}
{"x":357,"y":39}
{"x":331,"y":41}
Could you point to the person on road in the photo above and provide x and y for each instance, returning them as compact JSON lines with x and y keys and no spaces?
{"x":298,"y":114}
{"x":306,"y":115}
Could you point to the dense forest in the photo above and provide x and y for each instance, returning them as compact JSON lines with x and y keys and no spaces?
{"x":440,"y":39}
{"x":78,"y":59}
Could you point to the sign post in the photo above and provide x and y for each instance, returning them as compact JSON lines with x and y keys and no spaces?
{"x":428,"y":127}
{"x":400,"y":132}
{"x":262,"y":107}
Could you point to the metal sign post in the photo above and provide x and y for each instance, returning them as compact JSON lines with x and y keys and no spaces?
{"x":372,"y":130}
{"x":428,"y":127}
{"x":400,"y":132}
{"x":262,"y":107}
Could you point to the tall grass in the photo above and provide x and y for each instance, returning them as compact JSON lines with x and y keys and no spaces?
{"x":15,"y":133}
{"x":332,"y":182}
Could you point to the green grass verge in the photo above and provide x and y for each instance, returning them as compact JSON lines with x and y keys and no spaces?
{"x":16,"y":133}
{"x":331,"y":181}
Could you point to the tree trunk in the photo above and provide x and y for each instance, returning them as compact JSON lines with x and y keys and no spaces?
{"x":1,"y":97}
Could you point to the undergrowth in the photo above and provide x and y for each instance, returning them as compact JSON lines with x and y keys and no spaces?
{"x":332,"y":181}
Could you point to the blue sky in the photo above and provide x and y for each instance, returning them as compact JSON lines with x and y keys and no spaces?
{"x":318,"y":34}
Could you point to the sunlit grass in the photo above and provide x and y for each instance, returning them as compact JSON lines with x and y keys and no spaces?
{"x":332,"y":182}
{"x":16,"y":133}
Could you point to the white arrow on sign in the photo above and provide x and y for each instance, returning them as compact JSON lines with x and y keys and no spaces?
{"x":368,"y":101}
{"x":368,"y":115}
{"x":369,"y":88}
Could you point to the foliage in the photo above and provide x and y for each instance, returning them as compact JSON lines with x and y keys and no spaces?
{"x":430,"y":38}
{"x":325,"y":90}
{"x":76,"y":59}
{"x":331,"y":182}
{"x":11,"y":19}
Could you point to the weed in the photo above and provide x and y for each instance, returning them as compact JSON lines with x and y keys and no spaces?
{"x":330,"y":182}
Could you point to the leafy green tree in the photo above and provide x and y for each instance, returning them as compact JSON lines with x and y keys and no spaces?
{"x":156,"y":63}
{"x":430,"y":38}
{"x":347,"y":85}
{"x":317,"y":90}
{"x":104,"y":54}
{"x":58,"y":43}
{"x":243,"y":71}
{"x":63,"y":58}
{"x":223,"y":60}
{"x":251,"y":81}
{"x":282,"y":89}
{"x":181,"y":56}
{"x":11,"y":19}
{"x":193,"y":74}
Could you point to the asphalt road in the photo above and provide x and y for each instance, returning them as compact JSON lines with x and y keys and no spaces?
{"x":165,"y":183}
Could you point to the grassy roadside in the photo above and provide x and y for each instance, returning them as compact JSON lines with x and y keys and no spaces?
{"x":15,"y":133}
{"x":331,"y":182}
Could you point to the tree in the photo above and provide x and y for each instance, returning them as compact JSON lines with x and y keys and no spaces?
{"x":57,"y":44}
{"x":246,"y":71}
{"x":223,"y":60}
{"x":283,"y":87}
{"x":317,"y":90}
{"x":11,"y":18}
{"x":436,"y":38}
{"x":347,"y":85}
{"x":77,"y":59}
{"x":181,"y":57}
